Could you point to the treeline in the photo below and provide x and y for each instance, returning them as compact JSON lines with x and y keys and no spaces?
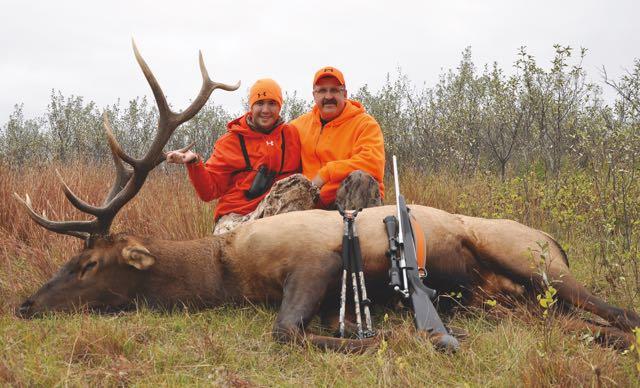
{"x":485,"y":120}
{"x":471,"y":120}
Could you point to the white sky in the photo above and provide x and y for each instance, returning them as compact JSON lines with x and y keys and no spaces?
{"x":83,"y":47}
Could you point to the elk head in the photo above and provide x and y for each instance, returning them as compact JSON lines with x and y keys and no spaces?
{"x":107,"y":272}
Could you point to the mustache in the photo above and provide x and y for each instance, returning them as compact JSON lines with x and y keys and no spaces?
{"x":330,"y":101}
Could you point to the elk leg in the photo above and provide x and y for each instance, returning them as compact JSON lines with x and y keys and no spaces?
{"x":569,"y":289}
{"x":608,"y":336}
{"x":303,"y":294}
{"x":575,"y":293}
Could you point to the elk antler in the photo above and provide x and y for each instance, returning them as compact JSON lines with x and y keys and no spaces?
{"x":129,"y":180}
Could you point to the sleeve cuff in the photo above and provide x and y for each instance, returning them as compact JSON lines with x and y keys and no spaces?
{"x":324,"y":174}
{"x":194,"y":166}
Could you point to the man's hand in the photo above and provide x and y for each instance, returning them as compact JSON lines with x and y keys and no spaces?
{"x":181,"y":157}
{"x":317,"y":181}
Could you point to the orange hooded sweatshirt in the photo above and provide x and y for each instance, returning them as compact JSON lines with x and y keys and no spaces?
{"x":224,"y":175}
{"x":351,"y":141}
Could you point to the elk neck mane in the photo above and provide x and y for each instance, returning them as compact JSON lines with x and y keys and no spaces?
{"x":190,"y":272}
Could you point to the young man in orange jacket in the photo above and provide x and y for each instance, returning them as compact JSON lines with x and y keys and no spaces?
{"x":257,"y":151}
{"x":342,"y":147}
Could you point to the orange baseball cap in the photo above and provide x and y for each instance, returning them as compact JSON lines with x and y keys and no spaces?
{"x":265,"y":89}
{"x":329,"y":71}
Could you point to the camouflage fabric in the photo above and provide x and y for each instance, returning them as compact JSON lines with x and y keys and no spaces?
{"x":290,"y":194}
{"x":358,"y":190}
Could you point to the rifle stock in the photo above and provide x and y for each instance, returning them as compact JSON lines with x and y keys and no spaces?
{"x":426,"y":316}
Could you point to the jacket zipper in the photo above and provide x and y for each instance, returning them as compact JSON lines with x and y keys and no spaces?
{"x":315,"y":150}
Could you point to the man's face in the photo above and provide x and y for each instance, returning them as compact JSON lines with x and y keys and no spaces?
{"x":265,"y":113}
{"x":330,"y":97}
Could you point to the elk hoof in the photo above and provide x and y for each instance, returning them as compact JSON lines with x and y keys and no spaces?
{"x":444,"y":342}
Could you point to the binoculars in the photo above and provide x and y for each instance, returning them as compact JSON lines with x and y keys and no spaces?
{"x":261,"y":182}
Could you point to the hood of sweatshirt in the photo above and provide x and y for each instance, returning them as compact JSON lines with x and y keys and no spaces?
{"x":351,"y":109}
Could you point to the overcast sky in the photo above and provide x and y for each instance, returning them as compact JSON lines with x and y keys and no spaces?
{"x":84,"y":47}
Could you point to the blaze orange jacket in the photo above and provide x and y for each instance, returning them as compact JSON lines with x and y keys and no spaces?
{"x":351,"y":141}
{"x":224,"y":175}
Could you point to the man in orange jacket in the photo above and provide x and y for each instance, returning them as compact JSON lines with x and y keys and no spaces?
{"x":342,"y":147}
{"x":257,"y":151}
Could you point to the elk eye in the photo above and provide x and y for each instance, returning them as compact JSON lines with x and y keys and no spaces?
{"x":88,"y":267}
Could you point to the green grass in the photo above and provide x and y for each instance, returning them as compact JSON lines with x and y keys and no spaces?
{"x":232,"y":345}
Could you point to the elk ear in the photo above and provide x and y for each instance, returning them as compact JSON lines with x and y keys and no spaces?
{"x":138,"y":256}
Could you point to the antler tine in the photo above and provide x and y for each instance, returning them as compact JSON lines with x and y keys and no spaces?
{"x":77,"y":202}
{"x":163,"y":106}
{"x":207,"y":88}
{"x":105,"y":214}
{"x":80,"y":229}
{"x":217,"y":85}
{"x":167,"y":121}
{"x":116,"y":149}
{"x":123,"y":174}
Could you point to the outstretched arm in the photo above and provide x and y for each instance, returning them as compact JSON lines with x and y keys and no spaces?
{"x":213,"y":178}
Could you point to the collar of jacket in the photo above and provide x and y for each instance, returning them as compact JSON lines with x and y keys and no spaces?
{"x":242,"y":127}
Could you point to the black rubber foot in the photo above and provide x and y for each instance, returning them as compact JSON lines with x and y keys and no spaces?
{"x":445,"y":343}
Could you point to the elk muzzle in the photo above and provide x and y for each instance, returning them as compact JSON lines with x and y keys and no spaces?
{"x":25,"y":310}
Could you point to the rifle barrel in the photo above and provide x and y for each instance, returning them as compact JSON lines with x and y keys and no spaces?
{"x":397,"y":188}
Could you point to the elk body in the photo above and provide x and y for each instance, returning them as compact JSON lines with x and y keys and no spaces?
{"x":292,"y":259}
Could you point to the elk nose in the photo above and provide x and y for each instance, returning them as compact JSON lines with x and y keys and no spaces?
{"x":25,"y":308}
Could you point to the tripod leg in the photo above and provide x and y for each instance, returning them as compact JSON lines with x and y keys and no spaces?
{"x":343,"y":301}
{"x":343,"y":287}
{"x":354,"y":283}
{"x":357,"y":255}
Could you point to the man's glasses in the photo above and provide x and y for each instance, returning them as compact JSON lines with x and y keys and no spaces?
{"x":331,"y":91}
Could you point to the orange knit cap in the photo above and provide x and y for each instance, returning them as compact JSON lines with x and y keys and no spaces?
{"x":329,"y":72}
{"x":265,"y":89}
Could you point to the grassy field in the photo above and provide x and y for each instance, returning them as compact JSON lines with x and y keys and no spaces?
{"x":232,"y":345}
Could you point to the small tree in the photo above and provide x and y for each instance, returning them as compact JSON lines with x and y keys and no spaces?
{"x":22,"y":140}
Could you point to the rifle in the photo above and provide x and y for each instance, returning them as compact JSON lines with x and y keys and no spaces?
{"x":404,"y":275}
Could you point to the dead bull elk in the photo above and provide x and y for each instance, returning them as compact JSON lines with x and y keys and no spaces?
{"x":293,"y":258}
